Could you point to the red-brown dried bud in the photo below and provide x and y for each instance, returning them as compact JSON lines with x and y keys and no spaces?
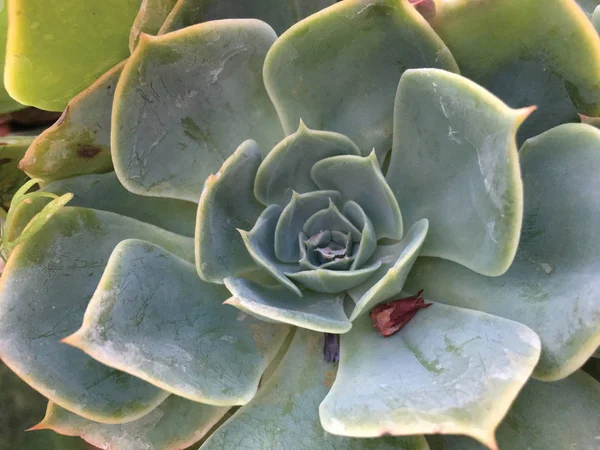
{"x":390,"y":317}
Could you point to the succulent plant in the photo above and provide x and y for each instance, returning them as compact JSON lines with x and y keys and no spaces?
{"x":394,"y":264}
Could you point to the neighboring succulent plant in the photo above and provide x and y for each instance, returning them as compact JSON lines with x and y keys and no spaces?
{"x":349,"y":128}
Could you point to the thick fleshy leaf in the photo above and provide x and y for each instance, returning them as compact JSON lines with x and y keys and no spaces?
{"x":560,"y":415}
{"x":273,"y":303}
{"x":260,"y":244}
{"x":7,"y":103}
{"x":455,"y":162}
{"x":552,"y":285}
{"x":338,"y":69}
{"x":588,"y":6}
{"x":12,"y":149}
{"x":43,"y":67}
{"x":397,"y":261}
{"x":22,"y":407}
{"x":227,"y":204}
{"x":149,"y":19}
{"x":287,"y":167}
{"x":44,"y":291}
{"x":79,"y":142}
{"x":596,"y":19}
{"x":174,"y":424}
{"x":104,"y":192}
{"x":360,"y":180}
{"x":330,"y":219}
{"x":533,"y":65}
{"x":333,"y":281}
{"x":197,"y":92}
{"x":300,"y":208}
{"x":280,"y":14}
{"x":449,"y":371}
{"x":368,"y":239}
{"x":151,"y":316}
{"x":284,"y":412}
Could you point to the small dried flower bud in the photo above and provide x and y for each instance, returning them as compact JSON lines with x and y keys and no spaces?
{"x":390,"y":317}
{"x":331,"y":347}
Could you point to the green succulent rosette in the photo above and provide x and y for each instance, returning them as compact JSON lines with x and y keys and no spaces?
{"x":318,"y":183}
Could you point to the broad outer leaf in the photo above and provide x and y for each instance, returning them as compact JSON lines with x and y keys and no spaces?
{"x":396,"y":262}
{"x":338,"y":69}
{"x":274,"y":303}
{"x":449,"y":370}
{"x":79,"y":142}
{"x":7,"y":103}
{"x":287,"y":168}
{"x":455,"y":162}
{"x":104,"y":192}
{"x":552,"y":286}
{"x":560,"y":415}
{"x":284,"y":412}
{"x":227,"y":204}
{"x":149,"y":19}
{"x":186,"y":100}
{"x":151,"y":316}
{"x":527,"y":52}
{"x":44,"y":291}
{"x":280,"y":14}
{"x":360,"y":179}
{"x":43,"y":66}
{"x":174,"y":424}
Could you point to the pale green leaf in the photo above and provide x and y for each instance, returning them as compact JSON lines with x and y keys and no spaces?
{"x":150,"y":18}
{"x":360,"y":179}
{"x":274,"y":303}
{"x":186,"y":100}
{"x":449,"y":370}
{"x":287,"y":167}
{"x":396,"y":263}
{"x":44,"y":290}
{"x":284,"y":412}
{"x":338,"y":70}
{"x":174,"y":424}
{"x":455,"y":162}
{"x":331,"y":281}
{"x":552,"y":286}
{"x":226,"y":204}
{"x":151,"y":316}
{"x":368,"y":240}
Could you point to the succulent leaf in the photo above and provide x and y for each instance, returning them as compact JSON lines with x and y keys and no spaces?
{"x":43,"y":68}
{"x":360,"y":179}
{"x":399,"y":385}
{"x":397,"y":261}
{"x":150,"y":18}
{"x":292,"y":219}
{"x":227,"y":204}
{"x":284,"y":412}
{"x":151,"y":316}
{"x":260,"y":243}
{"x":12,"y":149}
{"x":455,"y":162}
{"x":197,"y":92}
{"x":104,"y":192}
{"x":280,"y":14}
{"x":154,"y":431}
{"x":79,"y":142}
{"x":533,"y":65}
{"x":7,"y":103}
{"x":333,"y":281}
{"x":368,"y":239}
{"x":596,"y":19}
{"x":330,"y":218}
{"x":348,"y":85}
{"x":535,"y":422}
{"x":552,"y":285}
{"x":287,"y":167}
{"x":62,"y":265}
{"x":275,"y":303}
